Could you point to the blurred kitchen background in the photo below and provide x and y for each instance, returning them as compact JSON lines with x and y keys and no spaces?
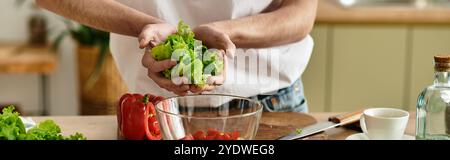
{"x":368,"y":53}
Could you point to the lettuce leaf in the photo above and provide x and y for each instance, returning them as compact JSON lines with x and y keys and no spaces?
{"x":12,"y":128}
{"x":195,"y":61}
{"x":162,"y":52}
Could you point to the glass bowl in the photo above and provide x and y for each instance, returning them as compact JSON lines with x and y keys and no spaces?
{"x":208,"y":117}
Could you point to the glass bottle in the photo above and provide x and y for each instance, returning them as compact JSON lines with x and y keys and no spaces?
{"x":433,"y":104}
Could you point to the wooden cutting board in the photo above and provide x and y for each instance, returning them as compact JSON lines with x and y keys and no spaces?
{"x":274,"y":125}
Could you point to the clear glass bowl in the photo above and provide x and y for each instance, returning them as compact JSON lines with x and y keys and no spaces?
{"x":216,"y":116}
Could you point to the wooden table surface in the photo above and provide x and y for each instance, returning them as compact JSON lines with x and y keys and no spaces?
{"x":329,"y":11}
{"x":105,"y":127}
{"x":21,"y":58}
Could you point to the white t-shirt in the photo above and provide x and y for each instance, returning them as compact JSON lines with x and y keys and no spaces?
{"x":287,"y":62}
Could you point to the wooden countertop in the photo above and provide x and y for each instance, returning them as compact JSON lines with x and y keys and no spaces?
{"x":331,"y":12}
{"x":105,"y":127}
{"x":19,"y":58}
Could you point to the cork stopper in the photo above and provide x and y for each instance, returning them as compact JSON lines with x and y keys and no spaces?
{"x":442,"y":63}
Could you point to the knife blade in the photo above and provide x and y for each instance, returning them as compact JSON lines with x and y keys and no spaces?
{"x":334,"y":121}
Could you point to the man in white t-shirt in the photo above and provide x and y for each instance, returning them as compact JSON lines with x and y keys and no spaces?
{"x":272,"y":32}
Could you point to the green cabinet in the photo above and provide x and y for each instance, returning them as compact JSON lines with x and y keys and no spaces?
{"x":315,"y":76}
{"x":358,"y":66}
{"x":427,"y":41}
{"x":368,"y":67}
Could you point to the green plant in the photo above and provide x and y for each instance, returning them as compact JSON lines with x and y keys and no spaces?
{"x":87,"y":36}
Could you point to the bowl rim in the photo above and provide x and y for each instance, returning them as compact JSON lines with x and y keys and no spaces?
{"x":259,"y":110}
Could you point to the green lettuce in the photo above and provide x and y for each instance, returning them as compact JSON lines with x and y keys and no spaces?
{"x":12,"y":128}
{"x":194,"y":61}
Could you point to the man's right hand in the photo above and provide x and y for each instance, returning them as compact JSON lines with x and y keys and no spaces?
{"x":152,"y":35}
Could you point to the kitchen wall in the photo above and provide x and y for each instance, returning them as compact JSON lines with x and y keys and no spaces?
{"x":372,"y":65}
{"x":25,"y":89}
{"x":378,"y":56}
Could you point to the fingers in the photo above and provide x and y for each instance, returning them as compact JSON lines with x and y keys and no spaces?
{"x":215,"y":80}
{"x":167,"y":84}
{"x":182,"y":90}
{"x":209,"y":87}
{"x":162,"y":65}
{"x":212,"y":81}
{"x":145,"y":38}
{"x":153,"y":71}
{"x":157,"y":66}
{"x":148,"y":40}
{"x":219,"y":79}
{"x":153,"y":34}
{"x":196,"y":89}
{"x":180,"y":80}
{"x":228,"y":46}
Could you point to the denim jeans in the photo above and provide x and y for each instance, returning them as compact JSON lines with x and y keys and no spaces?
{"x":289,"y":99}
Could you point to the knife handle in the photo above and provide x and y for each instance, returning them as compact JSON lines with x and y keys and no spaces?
{"x":347,"y":118}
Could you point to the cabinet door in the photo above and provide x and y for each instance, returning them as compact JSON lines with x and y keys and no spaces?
{"x":314,"y":77}
{"x":368,"y":67}
{"x":427,"y":42}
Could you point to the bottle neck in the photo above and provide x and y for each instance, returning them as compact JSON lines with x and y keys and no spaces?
{"x":442,"y":78}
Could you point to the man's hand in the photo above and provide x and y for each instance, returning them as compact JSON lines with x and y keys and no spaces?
{"x":214,"y":38}
{"x":152,"y":35}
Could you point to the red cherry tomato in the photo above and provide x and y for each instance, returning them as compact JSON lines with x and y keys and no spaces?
{"x":213,"y":132}
{"x":209,"y":137}
{"x":220,"y":136}
{"x":187,"y":137}
{"x":199,"y":135}
{"x":226,"y":136}
{"x":234,"y":135}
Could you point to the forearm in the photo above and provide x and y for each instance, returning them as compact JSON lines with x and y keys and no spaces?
{"x":292,"y":21}
{"x":107,"y":15}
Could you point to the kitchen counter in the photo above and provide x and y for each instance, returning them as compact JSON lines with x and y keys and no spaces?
{"x":105,"y":127}
{"x":329,"y":11}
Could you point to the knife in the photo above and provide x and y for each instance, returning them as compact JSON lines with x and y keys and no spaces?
{"x":335,"y":121}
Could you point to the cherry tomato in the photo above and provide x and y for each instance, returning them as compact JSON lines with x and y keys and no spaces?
{"x":213,"y":132}
{"x":199,"y":135}
{"x":234,"y":135}
{"x":226,"y":136}
{"x":187,"y":137}
{"x":209,"y":137}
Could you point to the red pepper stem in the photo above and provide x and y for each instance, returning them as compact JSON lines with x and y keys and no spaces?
{"x":146,"y":99}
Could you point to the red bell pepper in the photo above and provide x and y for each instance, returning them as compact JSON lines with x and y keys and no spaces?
{"x":136,"y":117}
{"x":151,"y":125}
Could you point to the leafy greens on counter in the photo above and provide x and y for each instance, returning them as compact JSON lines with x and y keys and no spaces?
{"x":12,"y":128}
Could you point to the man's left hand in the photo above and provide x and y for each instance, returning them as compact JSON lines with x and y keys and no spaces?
{"x":214,"y":38}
